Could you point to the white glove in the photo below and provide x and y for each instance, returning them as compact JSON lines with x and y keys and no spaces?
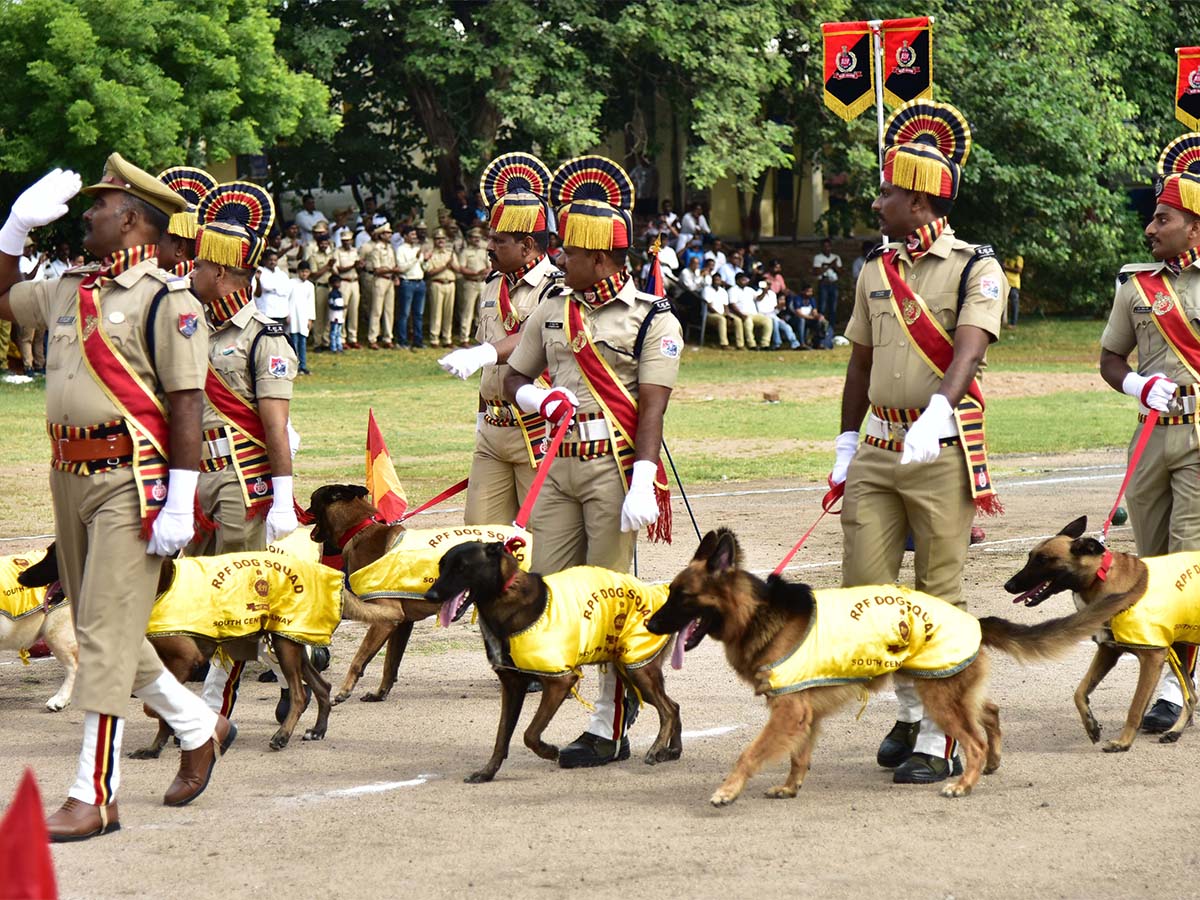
{"x":281,"y":519}
{"x":293,"y":439}
{"x":921,"y":444}
{"x":42,"y":203}
{"x":479,"y":422}
{"x":641,"y":506}
{"x":845,"y":447}
{"x":466,"y":362}
{"x":1158,"y":397}
{"x":553,"y":404}
{"x":176,"y":521}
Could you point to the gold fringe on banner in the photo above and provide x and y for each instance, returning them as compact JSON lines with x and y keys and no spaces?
{"x":854,"y":110}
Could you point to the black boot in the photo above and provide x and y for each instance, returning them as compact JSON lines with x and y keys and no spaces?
{"x":898,"y":745}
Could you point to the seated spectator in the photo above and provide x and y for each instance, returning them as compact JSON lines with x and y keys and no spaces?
{"x":775,"y":279}
{"x":769,"y":305}
{"x":720,"y":317}
{"x":803,"y":316}
{"x":692,"y":250}
{"x":731,"y":267}
{"x":750,"y":260}
{"x":693,"y":278}
{"x":716,"y":252}
{"x":692,"y":225}
{"x":742,"y":303}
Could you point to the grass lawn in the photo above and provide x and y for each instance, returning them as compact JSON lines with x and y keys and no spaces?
{"x":718,"y":427}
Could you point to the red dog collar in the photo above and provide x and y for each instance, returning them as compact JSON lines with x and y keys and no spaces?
{"x":355,"y":529}
{"x":1105,"y":565}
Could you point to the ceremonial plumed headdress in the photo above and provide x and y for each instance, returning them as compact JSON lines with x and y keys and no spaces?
{"x":192,"y":185}
{"x":595,"y":198}
{"x":234,"y":219}
{"x":122,"y":175}
{"x":1178,"y":184}
{"x":926,"y":144}
{"x":515,"y":187}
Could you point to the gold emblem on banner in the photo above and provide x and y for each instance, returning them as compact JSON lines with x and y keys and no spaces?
{"x":510,"y":320}
{"x":1162,"y":303}
{"x":577,"y":342}
{"x":911,"y":309}
{"x":89,"y":326}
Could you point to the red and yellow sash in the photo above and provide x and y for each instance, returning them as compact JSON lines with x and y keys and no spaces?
{"x":620,"y":410}
{"x":1173,"y":324}
{"x":936,"y":347}
{"x":247,"y":443}
{"x":144,"y":414}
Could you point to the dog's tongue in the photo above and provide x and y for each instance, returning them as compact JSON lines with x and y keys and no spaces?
{"x":1029,"y":593}
{"x":450,"y":608}
{"x":681,"y":640}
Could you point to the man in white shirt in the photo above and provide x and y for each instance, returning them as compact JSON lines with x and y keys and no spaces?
{"x":826,"y":266}
{"x":768,"y":304}
{"x":302,"y":310}
{"x":729,"y":269}
{"x":31,"y":262}
{"x":307,"y":218}
{"x":695,"y":279}
{"x":692,"y":225}
{"x":60,"y":262}
{"x":720,"y":317}
{"x":411,"y":302}
{"x":716,"y":253}
{"x":273,"y":288}
{"x":757,"y":327}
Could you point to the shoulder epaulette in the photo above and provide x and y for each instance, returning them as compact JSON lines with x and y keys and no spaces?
{"x":161,"y":275}
{"x":277,"y":328}
{"x":83,"y":270}
{"x":877,"y":251}
{"x":982,"y":250}
{"x":493,"y":275}
{"x":1127,"y":271}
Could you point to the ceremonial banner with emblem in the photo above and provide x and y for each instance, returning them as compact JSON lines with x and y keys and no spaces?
{"x":1187,"y":87}
{"x":387,"y":494}
{"x":849,"y":67}
{"x":907,"y":60}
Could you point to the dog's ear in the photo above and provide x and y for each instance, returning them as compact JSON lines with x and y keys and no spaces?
{"x":494,"y":550}
{"x":1076,"y":529}
{"x":724,"y":557}
{"x":1086,"y":547}
{"x":708,"y":546}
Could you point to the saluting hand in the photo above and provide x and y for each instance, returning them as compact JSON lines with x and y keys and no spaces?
{"x":40,"y":204}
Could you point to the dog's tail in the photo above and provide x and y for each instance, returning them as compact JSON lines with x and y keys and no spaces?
{"x":1054,"y":637}
{"x":371,"y":613}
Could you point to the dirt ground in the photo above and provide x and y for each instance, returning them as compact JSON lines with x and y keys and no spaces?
{"x":380,"y":808}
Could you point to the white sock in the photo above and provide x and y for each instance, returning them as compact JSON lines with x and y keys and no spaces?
{"x":933,"y":740}
{"x":1171,"y":691}
{"x":609,"y":705}
{"x":191,"y":720}
{"x":214,"y":685}
{"x":908,"y":702}
{"x":99,"y":772}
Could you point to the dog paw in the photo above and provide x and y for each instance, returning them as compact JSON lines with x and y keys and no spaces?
{"x":480,"y":777}
{"x":546,"y":751}
{"x":662,"y":754}
{"x":146,"y":753}
{"x":780,"y":792}
{"x":991,"y":767}
{"x":1115,"y":747}
{"x":313,"y":735}
{"x":722,"y":797}
{"x":279,"y":741}
{"x":340,"y":698}
{"x":958,"y":789}
{"x":1170,"y":737}
{"x":56,"y":704}
{"x":373,"y":697}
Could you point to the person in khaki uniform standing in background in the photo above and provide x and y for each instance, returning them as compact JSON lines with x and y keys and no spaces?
{"x":177,"y":249}
{"x":347,"y":265}
{"x":124,"y":386}
{"x":1154,"y":312}
{"x":322,"y":258}
{"x":246,"y":492}
{"x":923,"y":467}
{"x":473,"y":267}
{"x":440,"y":271}
{"x":379,"y":263}
{"x":613,"y":357}
{"x":515,"y":187}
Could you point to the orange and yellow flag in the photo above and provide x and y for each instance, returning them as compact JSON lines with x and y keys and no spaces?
{"x":382,"y":481}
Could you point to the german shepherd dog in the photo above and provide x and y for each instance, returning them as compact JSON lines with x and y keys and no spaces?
{"x":182,"y":654}
{"x":1070,"y":562}
{"x":509,"y":601}
{"x":762,"y":621}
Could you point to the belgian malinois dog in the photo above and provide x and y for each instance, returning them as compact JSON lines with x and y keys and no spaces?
{"x":510,"y":601}
{"x":762,"y":622}
{"x":1070,"y":562}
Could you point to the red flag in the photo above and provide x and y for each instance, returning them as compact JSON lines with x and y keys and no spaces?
{"x":849,"y":67}
{"x":654,"y":283}
{"x":25,"y":863}
{"x":907,"y":60}
{"x":1187,"y":86}
{"x":382,"y":481}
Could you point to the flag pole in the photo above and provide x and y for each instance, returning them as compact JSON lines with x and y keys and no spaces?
{"x":876,"y":26}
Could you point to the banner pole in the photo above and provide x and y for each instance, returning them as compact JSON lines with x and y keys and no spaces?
{"x":876,"y":26}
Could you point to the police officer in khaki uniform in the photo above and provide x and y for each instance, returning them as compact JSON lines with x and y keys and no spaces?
{"x":347,"y":266}
{"x":515,"y":186}
{"x":1164,"y":490}
{"x":601,"y":491}
{"x":912,"y":473}
{"x":322,"y":258}
{"x":177,"y":249}
{"x":473,"y":267}
{"x":379,"y":263}
{"x":246,"y":462}
{"x":111,"y":482}
{"x":440,"y":272}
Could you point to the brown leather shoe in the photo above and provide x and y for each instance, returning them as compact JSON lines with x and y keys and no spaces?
{"x":78,"y":821}
{"x":195,"y":766}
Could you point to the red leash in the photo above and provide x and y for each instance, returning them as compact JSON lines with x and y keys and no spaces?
{"x":1147,"y":429}
{"x":444,"y":495}
{"x":543,"y":470}
{"x":833,"y":496}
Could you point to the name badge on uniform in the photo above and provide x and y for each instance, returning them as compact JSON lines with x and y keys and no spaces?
{"x":70,"y":320}
{"x":487,"y":303}
{"x":881,"y":295}
{"x":228,"y":351}
{"x":557,"y":325}
{"x":1141,"y":309}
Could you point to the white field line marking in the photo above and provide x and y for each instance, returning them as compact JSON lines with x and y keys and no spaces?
{"x":378,"y":787}
{"x":711,"y":732}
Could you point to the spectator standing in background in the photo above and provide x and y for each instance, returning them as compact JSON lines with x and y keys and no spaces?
{"x":337,"y":314}
{"x":692,"y":225}
{"x":1013,"y":267}
{"x":302,"y":310}
{"x":307,"y":218}
{"x":826,"y":266}
{"x":473,"y":268}
{"x":440,"y":271}
{"x":411,"y":304}
{"x":272,"y":288}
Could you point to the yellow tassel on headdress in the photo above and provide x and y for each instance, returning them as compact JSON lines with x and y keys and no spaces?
{"x":183,"y":224}
{"x":1189,"y":194}
{"x":517,"y":218}
{"x":917,"y":173}
{"x":588,"y":232}
{"x":222,"y":249}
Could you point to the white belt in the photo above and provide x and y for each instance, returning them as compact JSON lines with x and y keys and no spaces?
{"x":1179,"y":406}
{"x":593,"y":429}
{"x":218,"y":448}
{"x":895,"y":431}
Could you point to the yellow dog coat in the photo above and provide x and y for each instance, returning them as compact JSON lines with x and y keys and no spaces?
{"x":592,"y":615}
{"x":856,"y":634}
{"x":410,"y":567}
{"x":236,"y":595}
{"x":1169,"y":611}
{"x":17,"y":601}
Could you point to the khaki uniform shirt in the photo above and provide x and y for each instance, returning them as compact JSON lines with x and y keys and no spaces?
{"x":1131,"y":322}
{"x":900,"y":377}
{"x":317,"y":258}
{"x":291,"y":255}
{"x":269,"y":375}
{"x":613,"y":327}
{"x":73,"y":397}
{"x":489,"y":329}
{"x":473,"y":259}
{"x":378,"y":254}
{"x":346,"y":257}
{"x":440,"y":258}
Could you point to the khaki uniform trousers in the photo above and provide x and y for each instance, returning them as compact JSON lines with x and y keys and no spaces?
{"x":1164,"y":492}
{"x":350,"y":294}
{"x":719,"y":323}
{"x":33,"y":353}
{"x":222,"y":501}
{"x":464,"y":309}
{"x":576,"y":520}
{"x":441,"y":312}
{"x":112,"y":583}
{"x":760,"y":323}
{"x":500,"y":476}
{"x":885,"y":500}
{"x":365,"y":283}
{"x":320,"y":329}
{"x":6,"y":331}
{"x":383,"y":302}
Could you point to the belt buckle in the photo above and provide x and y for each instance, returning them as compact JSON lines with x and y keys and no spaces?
{"x":899,"y":430}
{"x":113,"y":460}
{"x":59,"y":448}
{"x":1175,"y":405}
